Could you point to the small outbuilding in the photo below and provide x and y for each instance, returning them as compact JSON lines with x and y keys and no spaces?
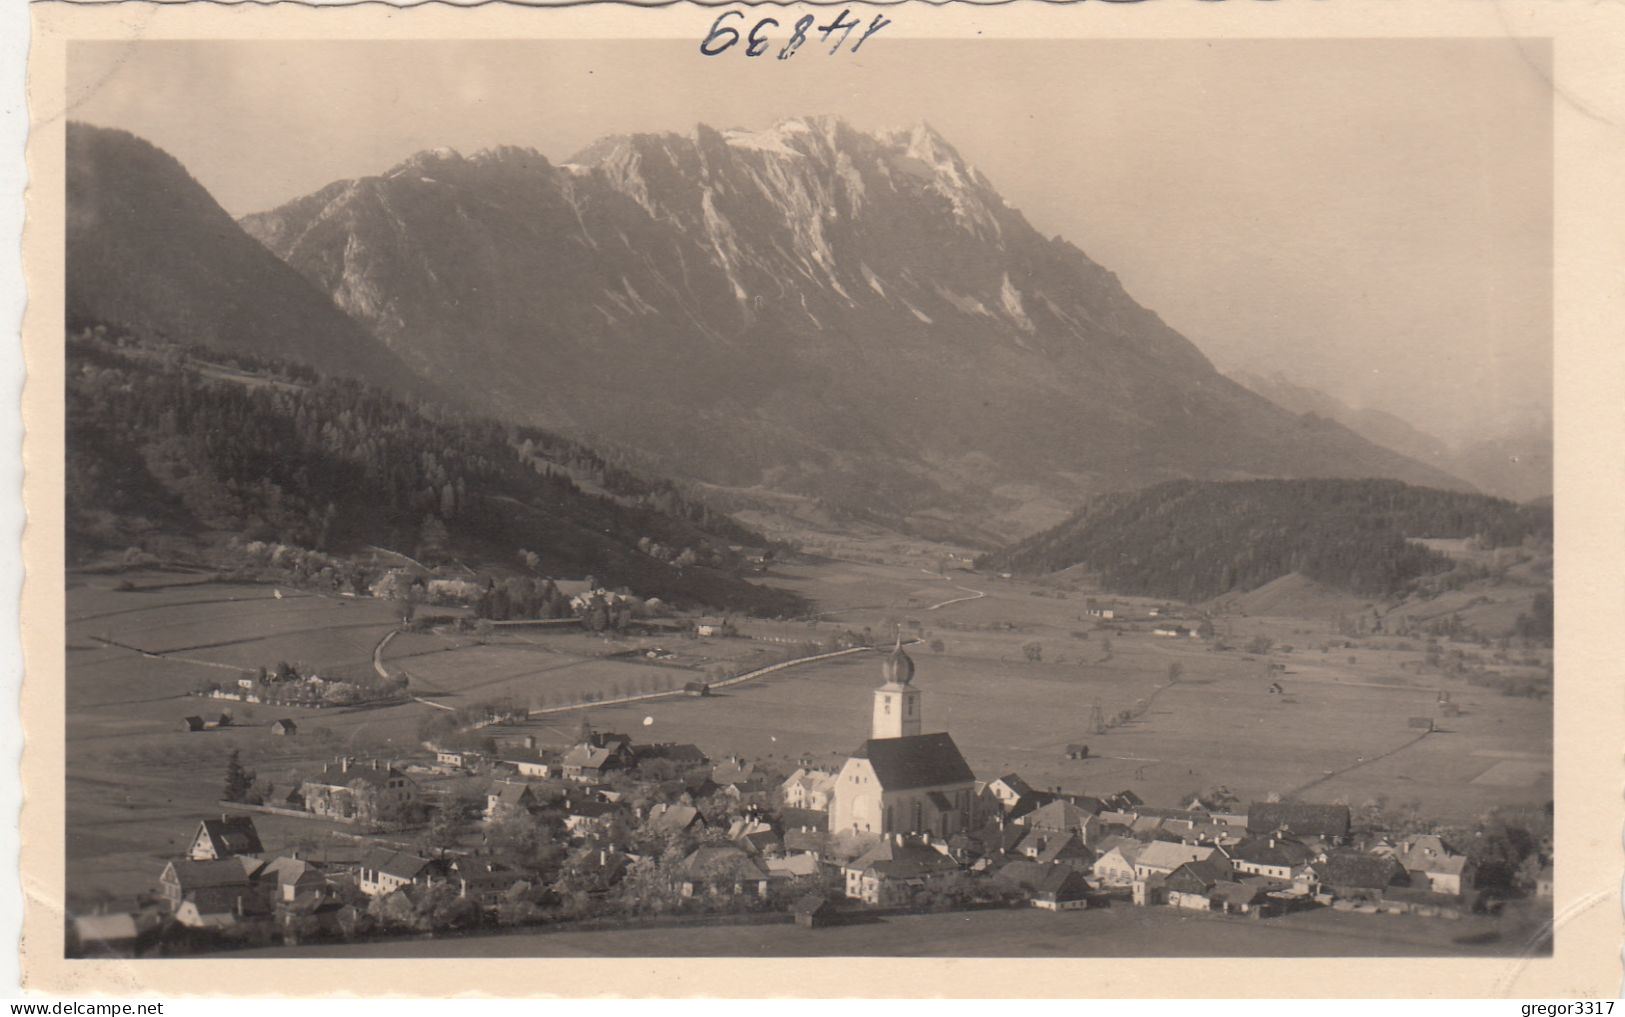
{"x":1421,"y":723}
{"x":814,"y":911}
{"x":697,"y":689}
{"x":284,"y":727}
{"x":1077,"y":750}
{"x":191,"y":723}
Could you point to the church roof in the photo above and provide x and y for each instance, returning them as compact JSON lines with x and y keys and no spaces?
{"x":915,"y":761}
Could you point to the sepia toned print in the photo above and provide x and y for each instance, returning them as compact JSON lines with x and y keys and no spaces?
{"x":823,"y":510}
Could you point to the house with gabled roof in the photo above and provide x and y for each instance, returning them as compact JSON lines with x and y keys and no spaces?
{"x":1062,"y":815}
{"x":216,"y":887}
{"x":384,"y":870}
{"x":895,"y":870}
{"x":1434,"y":864}
{"x":504,"y":798}
{"x":1008,"y":790}
{"x":1050,"y":887}
{"x":288,"y":878}
{"x":350,"y":791}
{"x":1354,"y":876}
{"x":1162,"y":857}
{"x":1114,"y":866}
{"x":225,"y":837}
{"x":722,"y":870}
{"x":809,"y":788}
{"x":1278,"y":857}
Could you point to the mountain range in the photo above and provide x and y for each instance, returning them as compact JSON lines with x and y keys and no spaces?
{"x":147,"y":247}
{"x":1516,"y":464}
{"x":809,"y":308}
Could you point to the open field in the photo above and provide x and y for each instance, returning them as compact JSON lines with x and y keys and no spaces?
{"x":137,"y":785}
{"x":1119,"y":931}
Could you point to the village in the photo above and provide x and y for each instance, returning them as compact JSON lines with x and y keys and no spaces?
{"x":501,"y":831}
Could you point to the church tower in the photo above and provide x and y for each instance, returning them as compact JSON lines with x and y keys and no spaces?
{"x":897,"y":701}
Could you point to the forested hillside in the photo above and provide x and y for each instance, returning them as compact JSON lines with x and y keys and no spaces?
{"x":166,"y":443}
{"x":1194,"y":540}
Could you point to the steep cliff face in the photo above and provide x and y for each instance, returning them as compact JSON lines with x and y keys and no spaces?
{"x":149,"y":248}
{"x":809,"y":307}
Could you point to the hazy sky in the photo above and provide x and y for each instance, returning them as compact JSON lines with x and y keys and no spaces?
{"x":1372,"y":218}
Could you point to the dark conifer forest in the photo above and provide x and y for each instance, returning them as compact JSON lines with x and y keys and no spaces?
{"x":169,"y":442}
{"x":1193,"y":540}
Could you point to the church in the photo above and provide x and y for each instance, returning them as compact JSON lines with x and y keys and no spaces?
{"x":899,"y":780}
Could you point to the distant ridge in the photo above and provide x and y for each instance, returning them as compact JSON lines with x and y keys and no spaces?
{"x":858,"y":317}
{"x":1195,"y":540}
{"x":149,"y":248}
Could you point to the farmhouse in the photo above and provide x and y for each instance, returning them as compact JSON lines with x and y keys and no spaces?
{"x":1354,"y":876}
{"x":384,"y":870}
{"x":224,"y":838}
{"x":809,"y":789}
{"x":1007,"y":790}
{"x":1435,"y":865}
{"x":506,"y":798}
{"x":1063,"y":815}
{"x":1277,"y":857}
{"x":899,"y":780}
{"x":1115,"y":864}
{"x":1159,"y":858}
{"x":895,"y":869}
{"x":350,"y":792}
{"x":214,"y":887}
{"x":721,"y":870}
{"x":290,"y":878}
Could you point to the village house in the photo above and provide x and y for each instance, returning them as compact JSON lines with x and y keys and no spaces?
{"x":1250,"y":896}
{"x":1161,"y":857}
{"x":457,"y":757}
{"x":588,"y":763}
{"x":1435,"y":865}
{"x":347,"y":791}
{"x":506,"y":798}
{"x":485,"y":881}
{"x":1350,"y":875}
{"x":809,"y":789}
{"x":585,"y":817}
{"x":899,"y":780}
{"x":896,"y":869}
{"x":536,"y":768}
{"x":289,"y":878}
{"x":1050,"y":887}
{"x":213,"y":887}
{"x":1277,"y":857}
{"x":225,"y":837}
{"x":1008,"y":790}
{"x":722,"y":870}
{"x":384,"y":870}
{"x":1063,"y":815}
{"x":1056,"y":846}
{"x":1192,"y":885}
{"x":1115,"y":864}
{"x":669,"y":819}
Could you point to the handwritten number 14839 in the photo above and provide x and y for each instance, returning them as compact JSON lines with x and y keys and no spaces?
{"x":723,"y":37}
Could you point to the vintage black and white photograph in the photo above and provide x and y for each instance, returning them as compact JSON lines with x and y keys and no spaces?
{"x":884,"y":497}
